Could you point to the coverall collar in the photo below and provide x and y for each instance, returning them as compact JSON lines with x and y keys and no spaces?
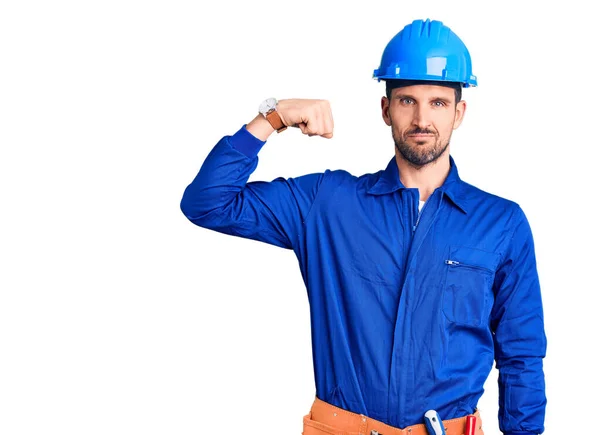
{"x":389,"y":182}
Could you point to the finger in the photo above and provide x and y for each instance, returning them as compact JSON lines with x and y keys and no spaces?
{"x":306,"y":129}
{"x":326,"y":125}
{"x":324,"y":119}
{"x":311,"y":126}
{"x":302,"y":127}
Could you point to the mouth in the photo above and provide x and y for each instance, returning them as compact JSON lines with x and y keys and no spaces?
{"x":421,"y":136}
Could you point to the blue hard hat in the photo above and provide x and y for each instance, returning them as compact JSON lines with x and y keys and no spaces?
{"x":426,"y":50}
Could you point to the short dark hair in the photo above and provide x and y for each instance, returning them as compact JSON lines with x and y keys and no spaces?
{"x":396,"y":83}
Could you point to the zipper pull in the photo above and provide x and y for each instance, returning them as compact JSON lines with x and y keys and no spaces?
{"x":452,"y":262}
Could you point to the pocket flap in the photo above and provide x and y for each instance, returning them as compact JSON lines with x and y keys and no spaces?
{"x":474,"y":257}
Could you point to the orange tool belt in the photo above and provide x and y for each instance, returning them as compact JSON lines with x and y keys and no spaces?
{"x":326,"y":419}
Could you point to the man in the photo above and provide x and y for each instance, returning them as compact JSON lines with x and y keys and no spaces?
{"x":416,"y":280}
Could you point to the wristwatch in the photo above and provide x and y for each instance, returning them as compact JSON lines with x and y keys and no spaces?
{"x":268,"y":108}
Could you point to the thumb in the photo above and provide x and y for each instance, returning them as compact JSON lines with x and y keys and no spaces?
{"x":302,"y":127}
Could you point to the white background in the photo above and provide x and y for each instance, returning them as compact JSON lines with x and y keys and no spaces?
{"x":119,"y":316}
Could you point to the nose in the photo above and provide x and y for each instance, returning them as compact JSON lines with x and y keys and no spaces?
{"x":421,"y":117}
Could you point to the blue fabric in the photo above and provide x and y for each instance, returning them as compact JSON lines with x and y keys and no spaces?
{"x":408,"y":310}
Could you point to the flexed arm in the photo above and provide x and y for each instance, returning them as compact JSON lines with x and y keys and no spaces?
{"x":221,"y":198}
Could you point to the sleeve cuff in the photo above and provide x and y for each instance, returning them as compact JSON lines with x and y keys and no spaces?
{"x":246,"y":143}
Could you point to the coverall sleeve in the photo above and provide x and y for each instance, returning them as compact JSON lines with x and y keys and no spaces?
{"x":519,"y":337}
{"x":220,"y":197}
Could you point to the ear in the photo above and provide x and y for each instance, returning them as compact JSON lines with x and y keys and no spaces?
{"x":385,"y":111}
{"x":459,"y":113}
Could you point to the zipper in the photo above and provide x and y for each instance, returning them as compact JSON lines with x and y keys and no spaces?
{"x":420,"y":213}
{"x":470,"y":266}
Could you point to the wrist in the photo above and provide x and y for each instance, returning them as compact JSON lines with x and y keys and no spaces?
{"x":260,"y":128}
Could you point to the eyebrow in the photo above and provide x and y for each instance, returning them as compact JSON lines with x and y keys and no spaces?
{"x":445,"y":100}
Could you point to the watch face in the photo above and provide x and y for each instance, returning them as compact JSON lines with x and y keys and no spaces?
{"x":267,"y":105}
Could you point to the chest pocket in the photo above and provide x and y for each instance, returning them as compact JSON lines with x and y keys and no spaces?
{"x":467,"y":295}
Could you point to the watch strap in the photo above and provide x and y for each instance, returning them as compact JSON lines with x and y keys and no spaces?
{"x":275,"y":120}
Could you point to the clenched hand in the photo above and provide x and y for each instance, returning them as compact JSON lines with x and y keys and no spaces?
{"x":312,"y":117}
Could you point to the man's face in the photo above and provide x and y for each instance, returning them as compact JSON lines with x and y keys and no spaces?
{"x":422,"y":118}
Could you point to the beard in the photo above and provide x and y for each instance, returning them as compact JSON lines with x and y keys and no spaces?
{"x":420,"y":154}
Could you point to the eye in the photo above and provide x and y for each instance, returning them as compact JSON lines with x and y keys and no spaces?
{"x":406,"y":100}
{"x":439,"y":103}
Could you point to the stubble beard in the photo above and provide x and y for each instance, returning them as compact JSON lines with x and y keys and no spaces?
{"x":420,"y":154}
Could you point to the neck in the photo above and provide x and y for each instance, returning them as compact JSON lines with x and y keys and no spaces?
{"x":425,"y":178}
